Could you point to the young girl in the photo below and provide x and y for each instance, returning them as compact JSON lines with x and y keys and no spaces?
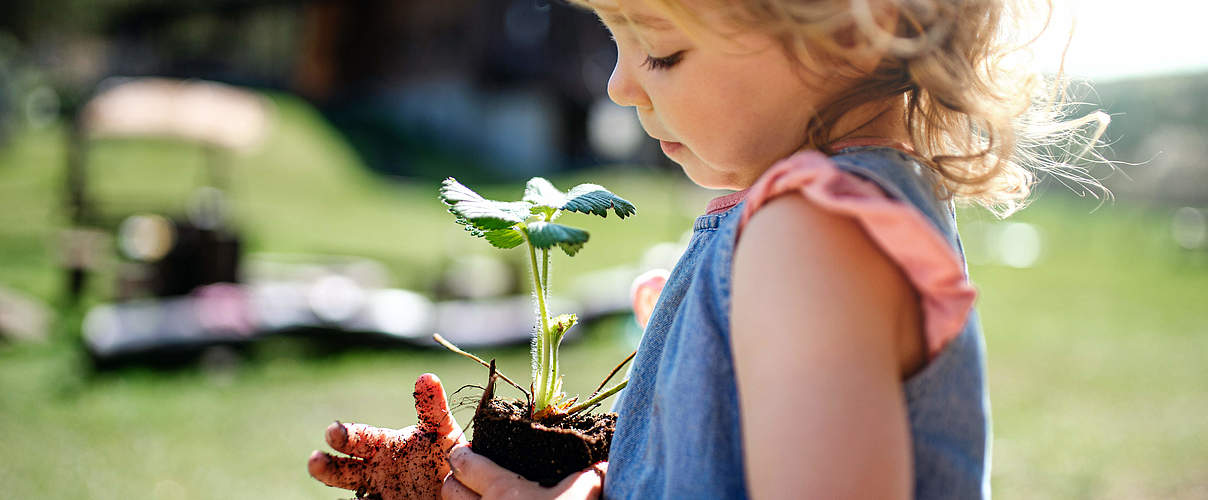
{"x":817,"y":338}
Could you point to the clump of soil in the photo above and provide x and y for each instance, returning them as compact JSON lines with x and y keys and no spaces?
{"x":545,"y":452}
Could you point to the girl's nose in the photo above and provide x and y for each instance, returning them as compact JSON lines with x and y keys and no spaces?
{"x":623,"y":89}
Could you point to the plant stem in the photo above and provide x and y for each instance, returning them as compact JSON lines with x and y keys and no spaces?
{"x":551,"y":348}
{"x":541,"y":399}
{"x":597,"y":398}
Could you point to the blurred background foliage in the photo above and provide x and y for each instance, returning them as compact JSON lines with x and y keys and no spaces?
{"x":1094,"y":312}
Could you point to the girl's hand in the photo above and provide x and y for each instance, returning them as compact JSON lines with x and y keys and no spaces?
{"x":475,"y":476}
{"x":408,"y":463}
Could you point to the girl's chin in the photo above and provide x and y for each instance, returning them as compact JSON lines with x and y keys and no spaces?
{"x":699,"y":172}
{"x":705,"y":177}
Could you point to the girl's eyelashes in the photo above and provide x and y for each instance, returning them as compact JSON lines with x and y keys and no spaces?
{"x":662,"y":63}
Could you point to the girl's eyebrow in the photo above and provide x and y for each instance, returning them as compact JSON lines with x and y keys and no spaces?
{"x":640,"y":20}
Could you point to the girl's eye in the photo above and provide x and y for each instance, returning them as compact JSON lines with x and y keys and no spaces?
{"x":663,"y":63}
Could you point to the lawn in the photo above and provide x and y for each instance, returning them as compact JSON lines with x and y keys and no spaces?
{"x":1096,"y":352}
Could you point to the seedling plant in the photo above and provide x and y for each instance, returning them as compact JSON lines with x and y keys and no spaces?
{"x":531,"y":222}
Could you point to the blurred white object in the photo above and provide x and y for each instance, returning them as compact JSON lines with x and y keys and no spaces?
{"x":1018,"y":244}
{"x":335,"y":298}
{"x":194,"y":110}
{"x":613,"y":132}
{"x":146,"y":237}
{"x":1190,"y":228}
{"x":280,"y":305}
{"x":401,"y":313}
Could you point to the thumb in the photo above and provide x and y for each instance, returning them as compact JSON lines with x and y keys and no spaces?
{"x":432,"y":406}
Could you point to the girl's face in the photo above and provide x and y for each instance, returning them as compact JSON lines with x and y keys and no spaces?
{"x":723,"y":109}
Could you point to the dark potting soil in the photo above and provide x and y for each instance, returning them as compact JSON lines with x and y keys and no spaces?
{"x":541,"y":452}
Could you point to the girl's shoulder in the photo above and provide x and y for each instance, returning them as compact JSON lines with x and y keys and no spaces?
{"x":878,"y":192}
{"x":799,"y":263}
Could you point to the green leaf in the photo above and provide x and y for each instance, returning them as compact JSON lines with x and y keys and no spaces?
{"x":482,"y":214}
{"x":547,"y":234}
{"x":570,"y":249}
{"x":585,"y":198}
{"x":505,"y":238}
{"x":542,"y":193}
{"x":595,"y":199}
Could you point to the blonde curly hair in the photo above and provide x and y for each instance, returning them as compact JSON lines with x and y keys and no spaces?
{"x":977,"y":110}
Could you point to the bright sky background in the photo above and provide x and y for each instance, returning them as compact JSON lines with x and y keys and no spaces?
{"x":1122,"y":38}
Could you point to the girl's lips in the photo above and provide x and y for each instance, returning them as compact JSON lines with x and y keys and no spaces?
{"x":670,"y":148}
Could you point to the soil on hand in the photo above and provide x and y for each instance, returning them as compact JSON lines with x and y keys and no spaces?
{"x":544,"y":452}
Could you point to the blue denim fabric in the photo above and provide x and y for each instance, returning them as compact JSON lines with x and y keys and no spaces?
{"x":678,"y":433}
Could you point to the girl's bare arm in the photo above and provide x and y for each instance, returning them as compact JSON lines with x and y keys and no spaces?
{"x":822,"y":322}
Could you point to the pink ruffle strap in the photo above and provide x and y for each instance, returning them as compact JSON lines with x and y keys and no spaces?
{"x":901,"y":231}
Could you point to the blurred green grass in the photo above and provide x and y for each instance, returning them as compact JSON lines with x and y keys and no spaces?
{"x":1096,"y":353}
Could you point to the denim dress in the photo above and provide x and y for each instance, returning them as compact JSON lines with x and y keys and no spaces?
{"x":679,"y":435}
